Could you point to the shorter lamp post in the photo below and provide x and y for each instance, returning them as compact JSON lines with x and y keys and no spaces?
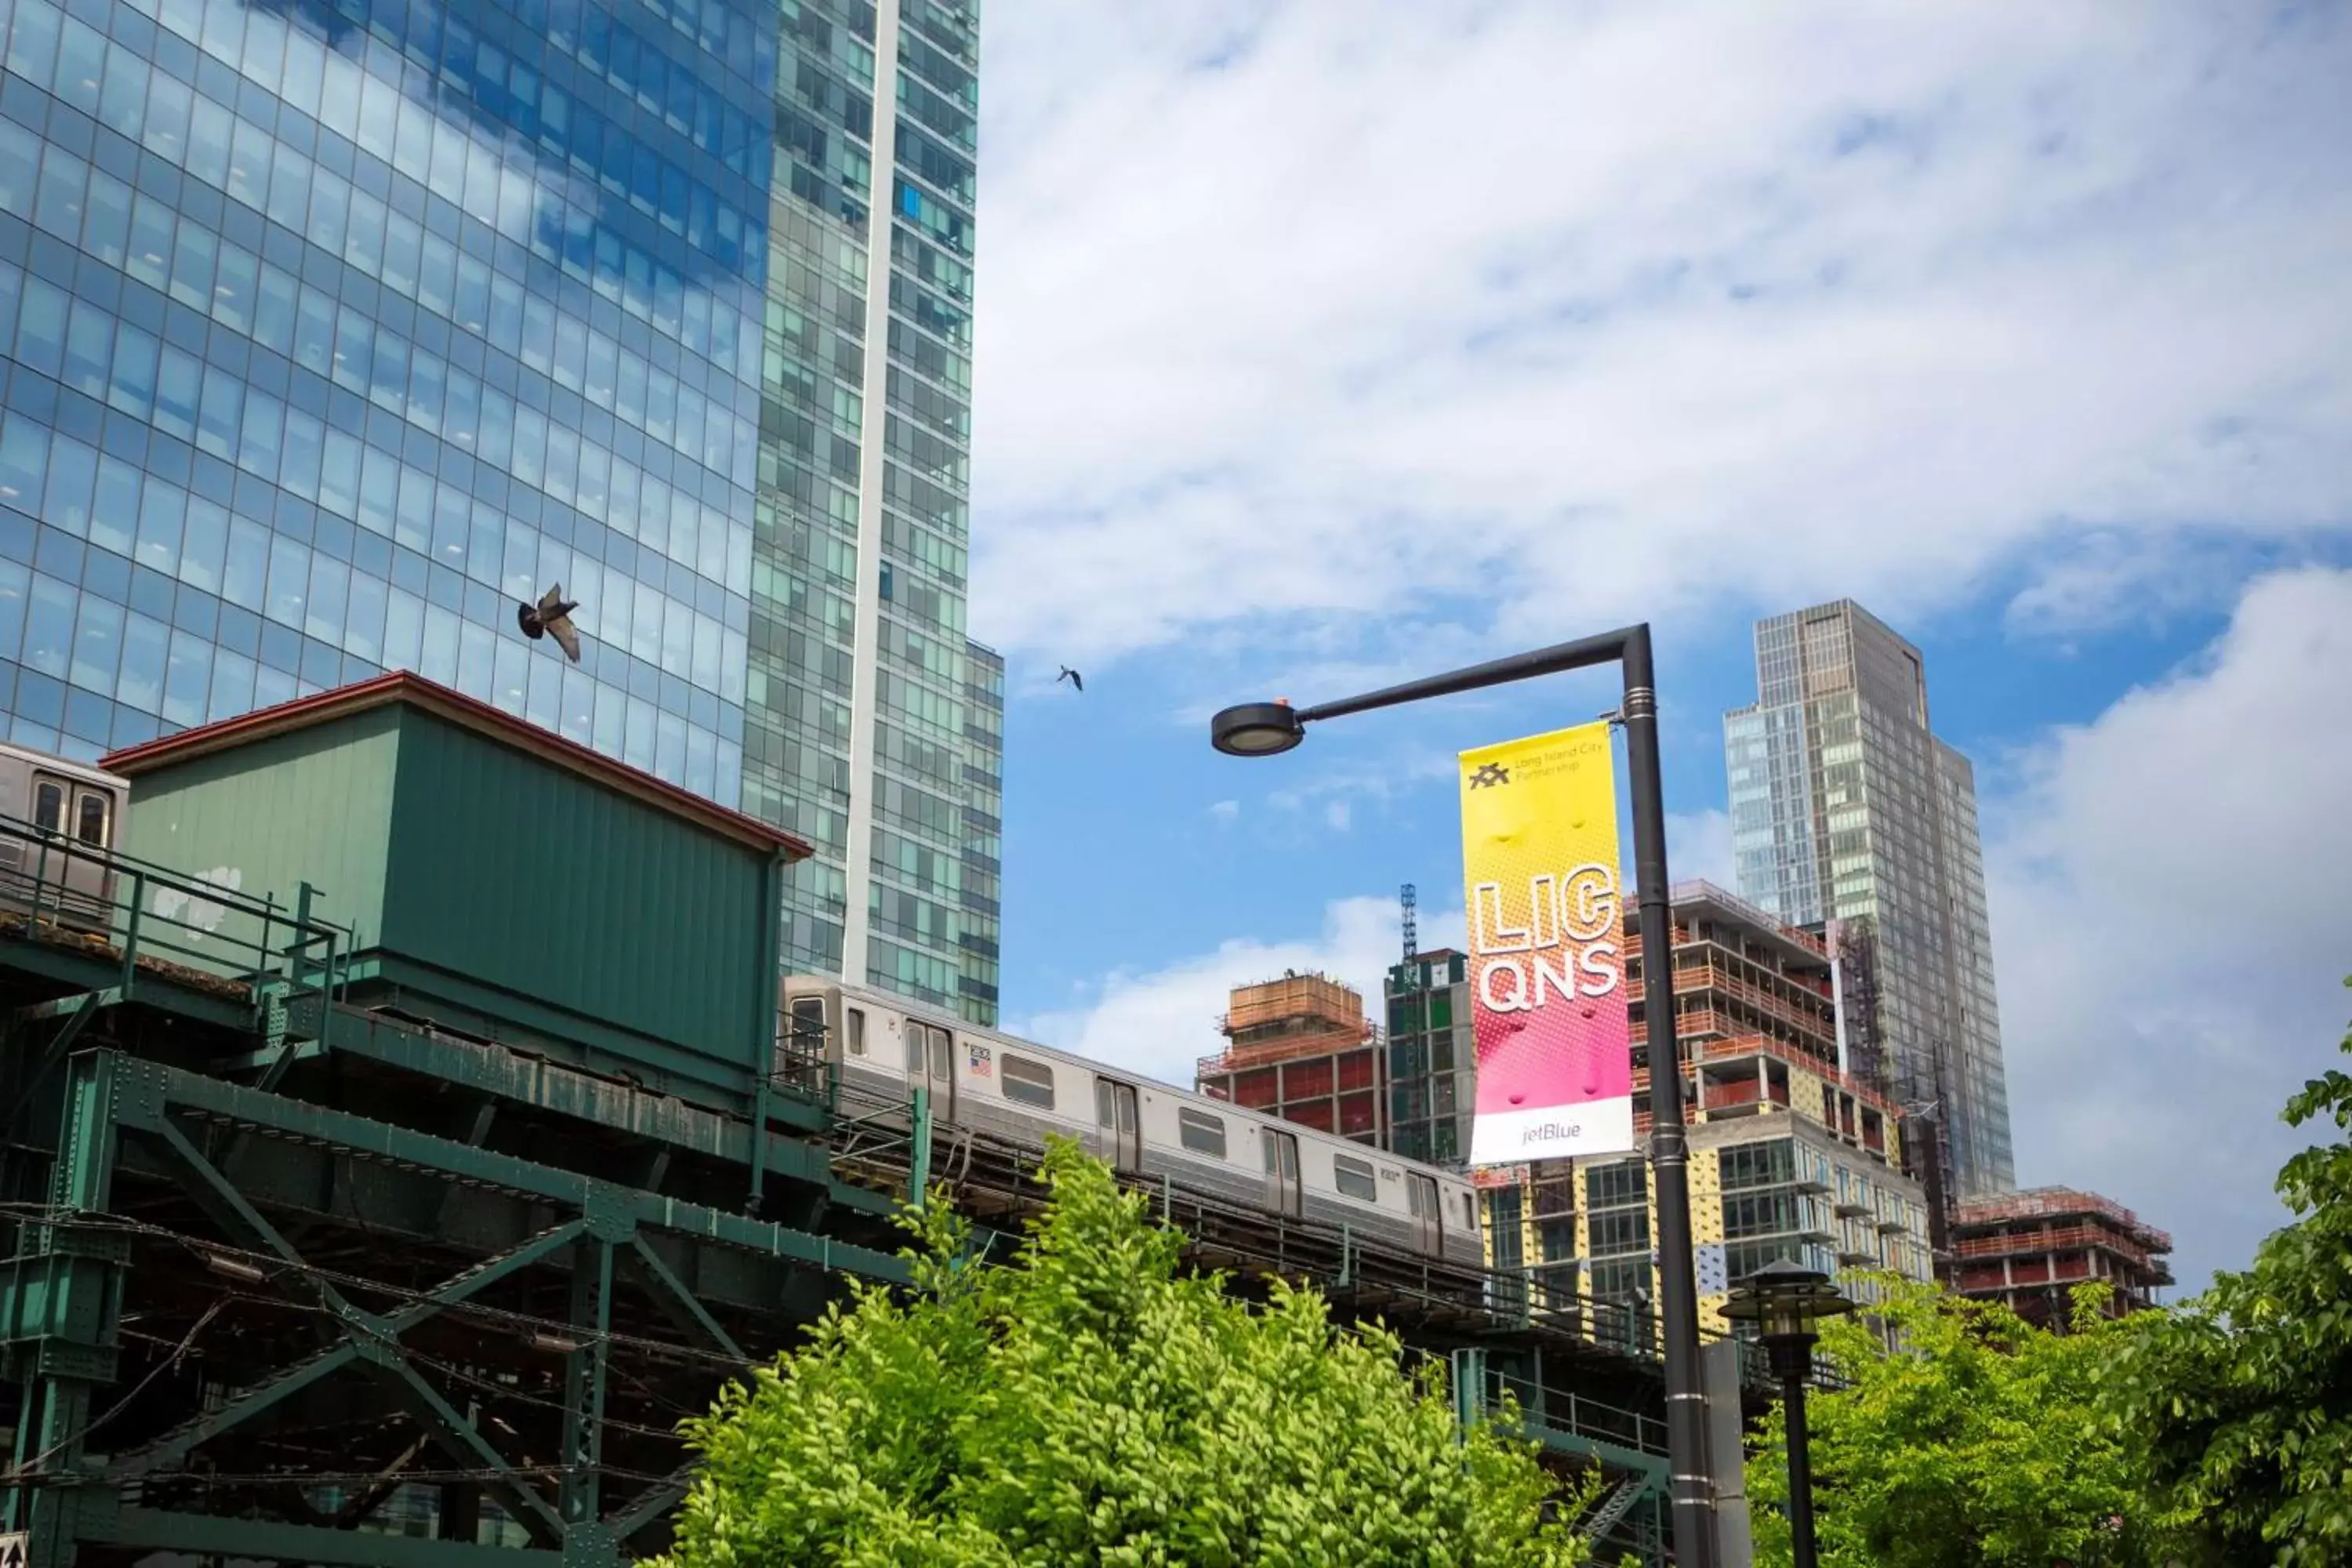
{"x":1785,"y":1300}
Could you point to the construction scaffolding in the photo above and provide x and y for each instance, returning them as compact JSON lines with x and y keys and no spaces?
{"x":1303,"y":1049}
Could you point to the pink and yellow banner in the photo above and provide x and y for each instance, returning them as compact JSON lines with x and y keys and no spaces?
{"x":1546,"y":965}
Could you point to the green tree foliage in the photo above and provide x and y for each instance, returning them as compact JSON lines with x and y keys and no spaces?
{"x":1979,"y":1445}
{"x":2243,"y":1396}
{"x":1092,"y":1403}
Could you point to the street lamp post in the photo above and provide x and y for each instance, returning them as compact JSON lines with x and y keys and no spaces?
{"x":1785,"y":1300}
{"x":1264,"y":728}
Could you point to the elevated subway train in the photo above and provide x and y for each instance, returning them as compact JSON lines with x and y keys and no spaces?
{"x":69,"y":807}
{"x":883,"y":1046}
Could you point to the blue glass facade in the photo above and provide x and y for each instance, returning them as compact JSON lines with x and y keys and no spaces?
{"x":331,"y":328}
{"x":888,"y":761}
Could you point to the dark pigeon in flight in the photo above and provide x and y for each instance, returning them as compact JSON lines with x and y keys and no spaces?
{"x":1071,"y":675}
{"x":551,"y":616}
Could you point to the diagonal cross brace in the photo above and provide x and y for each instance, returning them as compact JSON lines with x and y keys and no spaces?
{"x":369,"y":1334}
{"x":670,"y":1292}
{"x":650,"y":1506}
{"x":176,"y":1445}
{"x":251,"y":1402}
{"x":456,"y":1433}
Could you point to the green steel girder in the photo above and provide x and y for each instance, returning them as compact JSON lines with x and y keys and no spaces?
{"x":252,"y":1402}
{"x":82,"y":1305}
{"x":81,"y":969}
{"x":78,"y":1008}
{"x":366,"y":1333}
{"x":397,"y":1145}
{"x":585,"y":1368}
{"x":599,"y":1047}
{"x":226,"y":1539}
{"x":109,"y":1090}
{"x":918,"y":1168}
{"x":513,"y":1079}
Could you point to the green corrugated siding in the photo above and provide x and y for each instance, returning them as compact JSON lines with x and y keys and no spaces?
{"x":516,"y":874}
{"x":311,"y":807}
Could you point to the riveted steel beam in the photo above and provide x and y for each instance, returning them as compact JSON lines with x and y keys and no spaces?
{"x":399,"y":1146}
{"x":585,"y":1369}
{"x":226,"y":1539}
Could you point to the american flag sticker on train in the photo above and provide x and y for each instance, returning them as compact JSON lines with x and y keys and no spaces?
{"x":979,"y":1061}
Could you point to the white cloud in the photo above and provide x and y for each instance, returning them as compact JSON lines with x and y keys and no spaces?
{"x":1161,"y":1022}
{"x":2171,"y":919}
{"x":1225,"y":811}
{"x":1698,"y":848}
{"x":1335,"y":815}
{"x":1518,"y":315}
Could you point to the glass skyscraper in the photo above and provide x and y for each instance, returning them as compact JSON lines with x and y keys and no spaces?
{"x":333,"y":328}
{"x":1845,"y":806}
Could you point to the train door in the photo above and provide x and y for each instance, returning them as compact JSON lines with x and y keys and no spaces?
{"x":1428,"y":1219}
{"x":931,"y":1062}
{"x":805,"y":1048}
{"x":1121,"y":1129}
{"x":84,"y":816}
{"x":1282,"y":1191}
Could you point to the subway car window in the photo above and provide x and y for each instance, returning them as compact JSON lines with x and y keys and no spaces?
{"x":91,"y":828}
{"x":1355,"y":1179}
{"x":49,"y":806}
{"x":857,"y":1033}
{"x":1028,"y":1083}
{"x":1202,"y":1133}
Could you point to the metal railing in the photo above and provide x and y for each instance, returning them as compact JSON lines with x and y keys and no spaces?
{"x":1565,"y":1410}
{"x":58,"y":891}
{"x":800,"y":1066}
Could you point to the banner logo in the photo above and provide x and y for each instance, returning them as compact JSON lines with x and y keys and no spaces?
{"x":1545,"y":906}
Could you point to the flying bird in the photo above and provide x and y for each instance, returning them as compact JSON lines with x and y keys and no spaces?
{"x":551,"y":615}
{"x":1071,"y":675}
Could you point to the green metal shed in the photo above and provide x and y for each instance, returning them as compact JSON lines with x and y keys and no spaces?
{"x":499,"y":880}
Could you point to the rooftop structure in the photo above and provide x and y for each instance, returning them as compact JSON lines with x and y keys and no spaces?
{"x":2029,"y":1249}
{"x":1302,"y":1049}
{"x":501,"y":879}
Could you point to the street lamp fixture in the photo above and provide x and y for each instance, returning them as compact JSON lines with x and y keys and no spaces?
{"x":1787,"y":1301}
{"x":1256,"y":729}
{"x":1266,"y":728}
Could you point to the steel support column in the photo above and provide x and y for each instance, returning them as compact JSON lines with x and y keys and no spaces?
{"x":586,"y":1367}
{"x":63,"y":1294}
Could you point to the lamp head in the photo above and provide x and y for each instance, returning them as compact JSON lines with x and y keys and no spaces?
{"x":1256,"y":729}
{"x":1785,"y":1300}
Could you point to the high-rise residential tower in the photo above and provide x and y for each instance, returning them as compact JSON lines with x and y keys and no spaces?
{"x":333,"y":328}
{"x":1846,"y":808}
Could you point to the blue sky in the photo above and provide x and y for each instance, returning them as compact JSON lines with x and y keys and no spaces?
{"x":1323,"y":345}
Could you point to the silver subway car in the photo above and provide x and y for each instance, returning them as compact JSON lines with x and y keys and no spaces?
{"x":883,"y":1046}
{"x":51,"y":813}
